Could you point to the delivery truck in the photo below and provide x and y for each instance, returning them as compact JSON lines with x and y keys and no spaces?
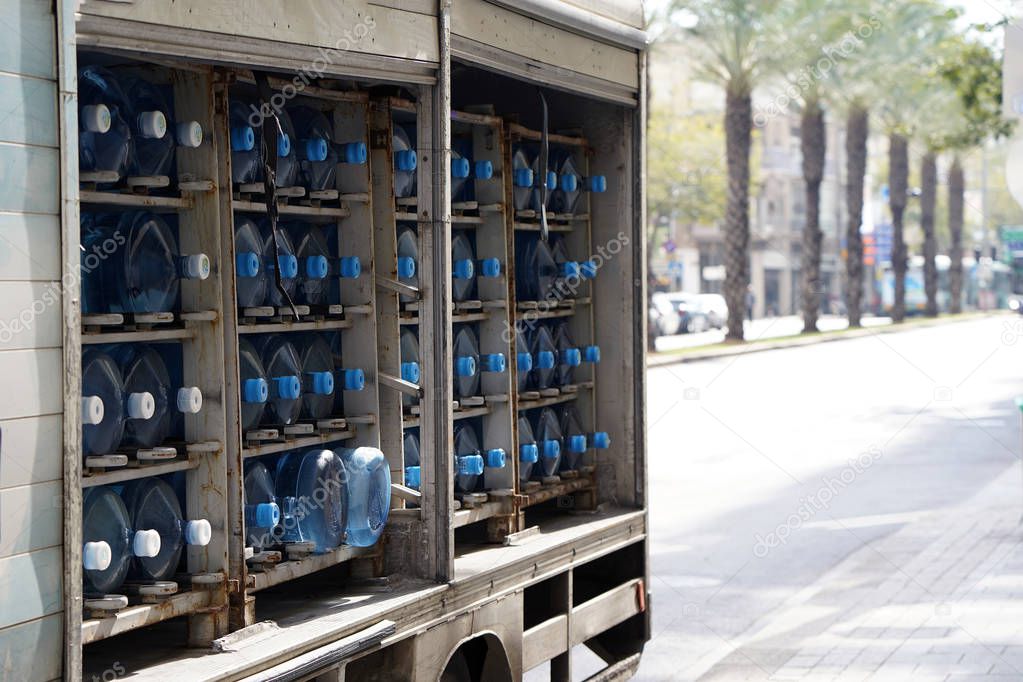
{"x":322,"y":329}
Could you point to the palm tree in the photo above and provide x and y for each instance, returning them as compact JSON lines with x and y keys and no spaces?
{"x":928,"y":198}
{"x":734,"y":45}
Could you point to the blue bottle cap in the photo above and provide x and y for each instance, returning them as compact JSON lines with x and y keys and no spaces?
{"x":323,"y":382}
{"x":525,"y":361}
{"x":288,"y":264}
{"x":588,"y":269}
{"x":412,"y":478}
{"x":571,"y":357}
{"x":493,"y":362}
{"x":288,"y":387}
{"x":597,"y":183}
{"x":570,"y":269}
{"x":591,"y":354}
{"x":529,"y":453}
{"x":576,"y":443}
{"x":600,"y":440}
{"x":551,"y":449}
{"x":545,"y":359}
{"x":484,"y":170}
{"x":316,"y":267}
{"x":460,"y":168}
{"x":552,"y":180}
{"x":354,"y":379}
{"x":255,"y":391}
{"x":283,"y":145}
{"x":465,"y":366}
{"x":463,"y":269}
{"x":354,"y":152}
{"x":243,"y":139}
{"x":315,"y":149}
{"x":569,"y":182}
{"x":470,"y":465}
{"x":490,"y":267}
{"x":406,"y":267}
{"x":410,"y":372}
{"x":268,"y":514}
{"x":351,"y":267}
{"x":246,"y":264}
{"x":405,"y":160}
{"x":523,"y":177}
{"x":495,"y":458}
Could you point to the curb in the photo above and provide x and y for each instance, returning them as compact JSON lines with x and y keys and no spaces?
{"x":660,"y":360}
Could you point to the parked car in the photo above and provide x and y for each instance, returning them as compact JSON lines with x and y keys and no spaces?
{"x":692,"y":318}
{"x":716,"y":309}
{"x":664,"y":318}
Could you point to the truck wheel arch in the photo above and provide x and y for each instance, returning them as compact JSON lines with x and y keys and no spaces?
{"x":485,"y":656}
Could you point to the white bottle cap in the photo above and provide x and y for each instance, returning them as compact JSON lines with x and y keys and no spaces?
{"x":92,"y":410}
{"x":96,"y":118}
{"x":197,"y":266}
{"x":146,"y":543}
{"x":141,"y":405}
{"x":189,"y":134}
{"x":198,"y":532}
{"x":189,"y":400}
{"x":96,"y":556}
{"x":153,"y":124}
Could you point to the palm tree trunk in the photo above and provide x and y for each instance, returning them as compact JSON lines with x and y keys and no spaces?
{"x":857,"y":130}
{"x":928,"y":197}
{"x":956,"y":191}
{"x":898,"y":188}
{"x":814,"y":147}
{"x":738,"y":127}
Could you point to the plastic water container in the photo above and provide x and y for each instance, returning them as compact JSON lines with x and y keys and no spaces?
{"x":468,"y":362}
{"x":523,"y":358}
{"x":104,"y":136}
{"x":464,"y":173}
{"x":312,"y":490}
{"x":107,"y":405}
{"x":466,"y":268}
{"x":97,"y":239}
{"x":282,"y":258}
{"x":109,"y":541}
{"x":411,"y":368}
{"x":469,"y":463}
{"x":369,"y":494}
{"x":529,"y":451}
{"x":142,"y":271}
{"x":411,"y":457}
{"x":246,"y":146}
{"x":523,"y":179}
{"x":571,"y":355}
{"x":152,"y":503}
{"x":408,"y":259}
{"x":284,"y":379}
{"x":255,"y":390}
{"x":262,"y":511}
{"x":345,"y":268}
{"x":144,"y":371}
{"x":550,"y":441}
{"x":250,"y":270}
{"x":571,"y":183}
{"x":572,"y":271}
{"x":536,"y":272}
{"x":405,"y":163}
{"x":318,"y":383}
{"x":155,"y":133}
{"x":545,"y":358}
{"x":317,"y":156}
{"x":575,"y":444}
{"x":313,"y":263}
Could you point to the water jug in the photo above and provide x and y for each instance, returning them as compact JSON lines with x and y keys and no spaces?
{"x":545,"y":356}
{"x":250,"y":271}
{"x":570,"y":355}
{"x":109,"y":541}
{"x":284,"y":379}
{"x":106,"y":405}
{"x":529,"y":451}
{"x":369,"y":494}
{"x":536,"y":272}
{"x":523,"y":358}
{"x":548,"y":434}
{"x":468,"y":363}
{"x":575,"y":444}
{"x":255,"y":390}
{"x":246,"y":147}
{"x":283,"y":258}
{"x":464,"y":173}
{"x":573,"y":271}
{"x":466,"y":268}
{"x":412,"y":461}
{"x":313,"y":263}
{"x":404,"y":163}
{"x":155,"y":135}
{"x":262,"y":512}
{"x":410,"y":367}
{"x":408,"y":259}
{"x":469,"y":463}
{"x":104,"y":136}
{"x":312,"y":490}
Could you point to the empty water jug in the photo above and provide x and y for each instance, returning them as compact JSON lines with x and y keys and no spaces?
{"x":411,"y":458}
{"x":313,"y":263}
{"x":317,"y":156}
{"x":369,"y":494}
{"x":469,"y":463}
{"x":106,"y":405}
{"x":251,"y":281}
{"x":153,"y":504}
{"x":410,"y":365}
{"x":104,"y":136}
{"x":575,"y":444}
{"x":284,"y":379}
{"x":262,"y":512}
{"x":247,"y":123}
{"x":465,"y":268}
{"x":570,"y":355}
{"x":404,"y":163}
{"x":522,"y":179}
{"x":408,"y":259}
{"x":144,"y":371}
{"x":529,"y":451}
{"x":536,"y":272}
{"x":545,"y":358}
{"x":318,"y":385}
{"x":468,"y":362}
{"x":255,"y":390}
{"x":573,"y":271}
{"x":523,"y":358}
{"x":550,"y":441}
{"x":109,"y":541}
{"x":571,"y":183}
{"x":464,"y":174}
{"x":155,"y":135}
{"x":312,"y":490}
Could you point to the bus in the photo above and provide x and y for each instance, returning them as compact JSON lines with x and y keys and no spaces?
{"x":987,"y":285}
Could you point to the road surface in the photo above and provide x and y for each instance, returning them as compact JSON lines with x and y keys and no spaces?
{"x":763,"y":328}
{"x":805,"y":502}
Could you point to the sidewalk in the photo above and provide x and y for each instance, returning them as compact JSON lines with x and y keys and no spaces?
{"x":939,"y":599}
